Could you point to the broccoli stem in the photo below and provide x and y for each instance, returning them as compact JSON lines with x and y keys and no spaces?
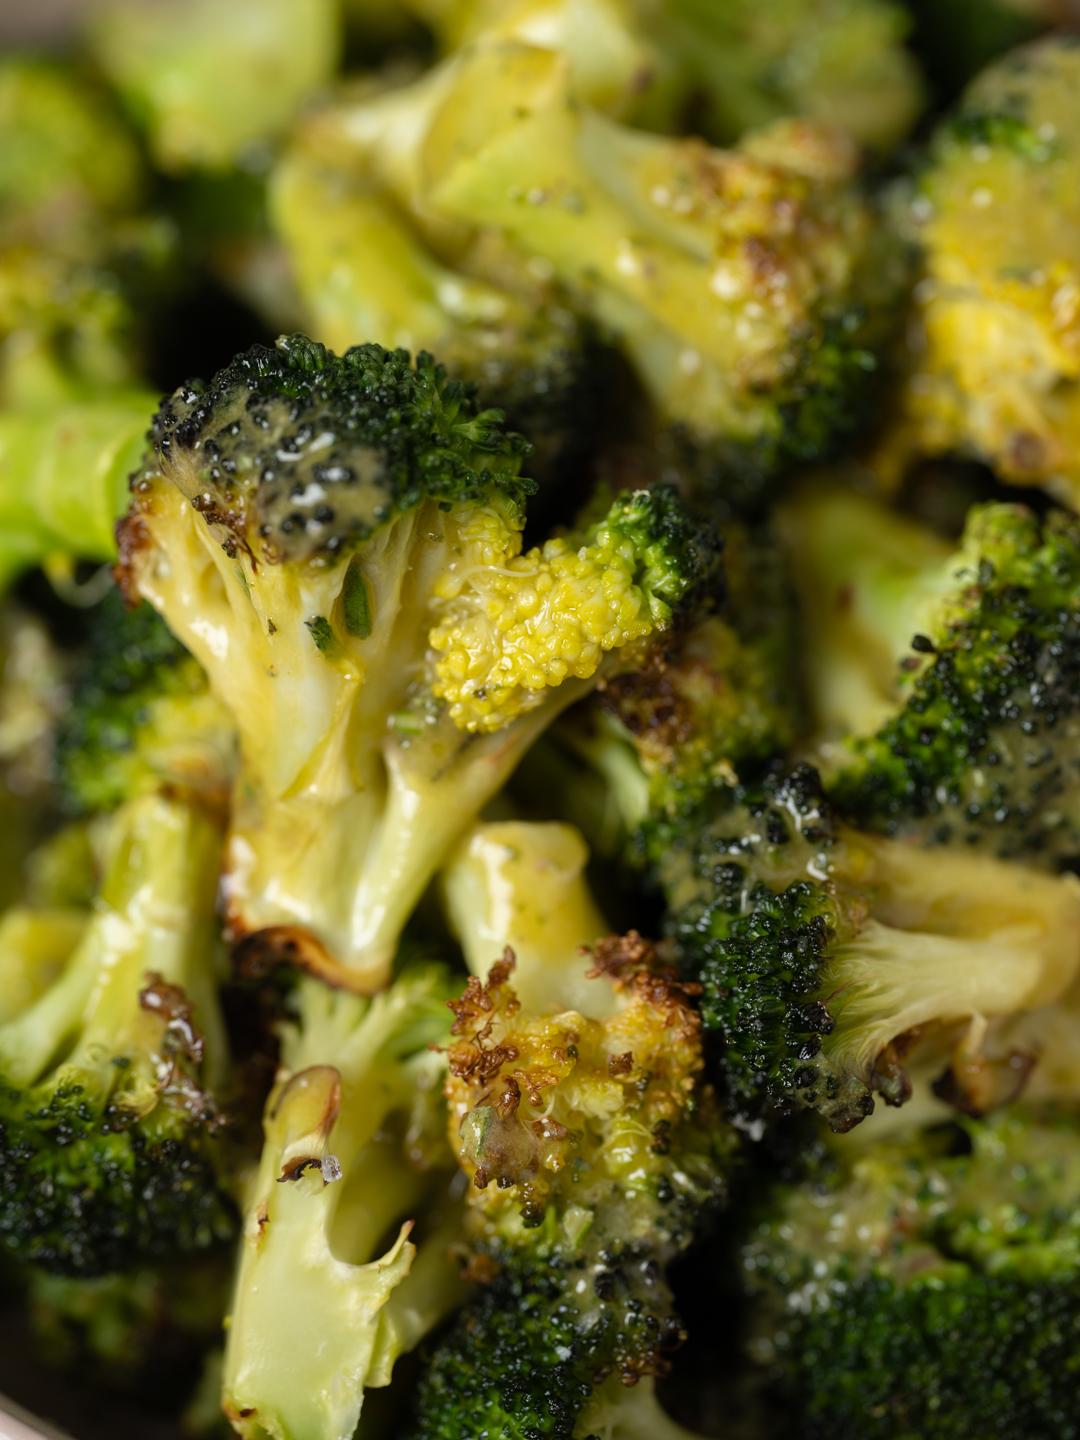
{"x":65,"y":476}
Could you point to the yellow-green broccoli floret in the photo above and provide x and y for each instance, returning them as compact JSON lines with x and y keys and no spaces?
{"x":993,"y":352}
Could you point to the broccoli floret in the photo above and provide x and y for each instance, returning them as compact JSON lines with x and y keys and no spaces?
{"x":947,"y":682}
{"x":586,"y":1130}
{"x":141,"y":717}
{"x":827,"y":956}
{"x":752,"y":339}
{"x":80,"y":267}
{"x":337,"y":540}
{"x":927,"y":1286}
{"x":839,"y":61}
{"x":365,"y":270}
{"x":142,"y":1332}
{"x":210,"y":85}
{"x":108,"y":1128}
{"x":331,"y":1289}
{"x":715,"y":702}
{"x":65,"y":473}
{"x":992,"y":361}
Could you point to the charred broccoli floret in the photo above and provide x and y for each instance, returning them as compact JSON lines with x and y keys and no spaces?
{"x":946,"y":681}
{"x":331,"y":1289}
{"x":338,"y":542}
{"x":993,"y":352}
{"x":926,"y":1286}
{"x":210,"y":85}
{"x":108,"y":1128}
{"x":365,"y":270}
{"x":579,"y":1113}
{"x":839,"y":61}
{"x":140,"y":717}
{"x":827,"y":955}
{"x":749,"y":289}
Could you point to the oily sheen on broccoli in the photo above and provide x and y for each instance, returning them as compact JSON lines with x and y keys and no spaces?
{"x":109,"y":1133}
{"x":580,"y":1114}
{"x":926,"y":1285}
{"x":946,"y":680}
{"x":828,"y":955}
{"x":337,"y":540}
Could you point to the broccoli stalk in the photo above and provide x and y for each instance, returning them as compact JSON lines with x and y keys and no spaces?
{"x":827,"y":956}
{"x":926,"y":1285}
{"x":354,"y":1148}
{"x":587,"y":1135}
{"x":750,"y":338}
{"x":947,"y":682}
{"x":65,"y":476}
{"x":337,"y":540}
{"x":107,"y":1122}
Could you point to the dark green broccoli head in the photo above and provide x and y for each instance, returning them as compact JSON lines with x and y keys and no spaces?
{"x":827,"y":955}
{"x":296,"y":454}
{"x":140,"y":716}
{"x":528,"y":1354}
{"x":928,"y":1286}
{"x":109,"y":1133}
{"x":983,"y":746}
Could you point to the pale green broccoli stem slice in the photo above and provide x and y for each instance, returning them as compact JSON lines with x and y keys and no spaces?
{"x":64,"y":477}
{"x":521,"y":885}
{"x":868,"y":580}
{"x":319,"y":1314}
{"x":211,"y":83}
{"x":618,"y":1411}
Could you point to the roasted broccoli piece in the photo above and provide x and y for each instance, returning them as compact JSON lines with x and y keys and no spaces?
{"x":992,"y":359}
{"x":81,"y":268}
{"x":365,"y":271}
{"x":579,"y":1112}
{"x":616,"y":63}
{"x":142,"y":1332}
{"x":828,"y":955}
{"x":141,"y":717}
{"x":749,"y":289}
{"x":946,"y":681}
{"x":64,"y":477}
{"x":331,"y":1289}
{"x":926,"y":1286}
{"x":108,"y":1128}
{"x":839,"y":61}
{"x":717,"y":701}
{"x":337,"y":540}
{"x":212,"y":85}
